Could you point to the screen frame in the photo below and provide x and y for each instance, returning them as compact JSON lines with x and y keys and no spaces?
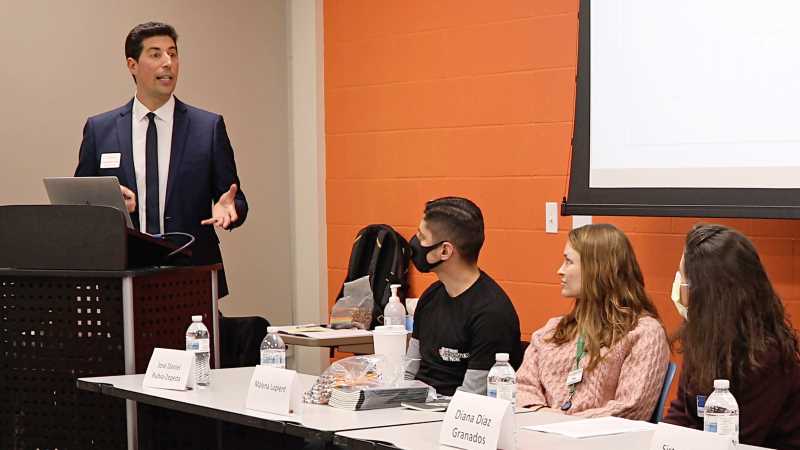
{"x":675,"y":202}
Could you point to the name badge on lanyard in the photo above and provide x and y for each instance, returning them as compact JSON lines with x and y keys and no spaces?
{"x":701,"y":406}
{"x":574,"y":377}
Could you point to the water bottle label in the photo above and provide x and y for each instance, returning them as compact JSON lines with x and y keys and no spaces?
{"x":491,"y":391}
{"x":273,"y":359}
{"x":197,"y":345}
{"x":728,"y":425}
{"x":506,"y":392}
{"x":395,"y":321}
{"x":723,"y":425}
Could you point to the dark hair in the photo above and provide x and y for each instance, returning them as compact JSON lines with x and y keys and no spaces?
{"x":458,"y":221}
{"x":736,"y":320}
{"x":133,"y":43}
{"x":612,"y":298}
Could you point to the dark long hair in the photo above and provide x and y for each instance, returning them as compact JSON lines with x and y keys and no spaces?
{"x":736,"y":320}
{"x":612,"y":298}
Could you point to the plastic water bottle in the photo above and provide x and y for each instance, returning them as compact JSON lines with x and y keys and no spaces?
{"x":273,"y":350}
{"x":721,"y":413}
{"x":394,"y":313}
{"x":197,"y":341}
{"x":502,"y":381}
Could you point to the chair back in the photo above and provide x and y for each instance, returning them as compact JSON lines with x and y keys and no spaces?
{"x":662,"y":399}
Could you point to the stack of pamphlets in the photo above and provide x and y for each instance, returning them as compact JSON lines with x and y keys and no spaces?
{"x":357,"y":398}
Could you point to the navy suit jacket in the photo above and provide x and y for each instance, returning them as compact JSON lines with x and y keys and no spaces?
{"x":201,"y":169}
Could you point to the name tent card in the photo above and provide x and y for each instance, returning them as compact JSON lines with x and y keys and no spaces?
{"x":673,"y":437}
{"x":273,"y":390}
{"x":170,"y":369}
{"x":477,"y":422}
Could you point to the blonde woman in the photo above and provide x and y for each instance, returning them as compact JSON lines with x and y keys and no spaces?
{"x":609,"y":354}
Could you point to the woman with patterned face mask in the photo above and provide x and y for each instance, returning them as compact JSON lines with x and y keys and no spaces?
{"x":735,"y":329}
{"x":608,"y":356}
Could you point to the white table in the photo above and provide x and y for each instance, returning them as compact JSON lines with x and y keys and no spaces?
{"x":425,"y":436}
{"x":225,"y":400}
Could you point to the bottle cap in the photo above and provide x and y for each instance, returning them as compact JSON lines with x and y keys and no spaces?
{"x":502,"y":357}
{"x":722,"y":384}
{"x":272,"y":329}
{"x":197,"y":318}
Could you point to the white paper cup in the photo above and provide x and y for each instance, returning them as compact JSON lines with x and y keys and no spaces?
{"x":390,"y":341}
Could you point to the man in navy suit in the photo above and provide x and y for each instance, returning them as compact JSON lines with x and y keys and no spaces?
{"x":173,"y":161}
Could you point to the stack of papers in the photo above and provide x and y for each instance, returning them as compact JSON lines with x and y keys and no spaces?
{"x":359,"y":398}
{"x":321,"y":332}
{"x":436,"y":405}
{"x":601,"y":426}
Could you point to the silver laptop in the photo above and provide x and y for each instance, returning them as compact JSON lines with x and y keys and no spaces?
{"x":99,"y":191}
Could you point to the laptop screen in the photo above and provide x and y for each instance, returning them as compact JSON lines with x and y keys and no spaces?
{"x":98,"y":191}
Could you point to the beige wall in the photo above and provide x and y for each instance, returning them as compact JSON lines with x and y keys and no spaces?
{"x":63,"y":61}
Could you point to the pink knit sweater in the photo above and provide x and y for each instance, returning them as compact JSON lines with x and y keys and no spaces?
{"x":626,"y":383}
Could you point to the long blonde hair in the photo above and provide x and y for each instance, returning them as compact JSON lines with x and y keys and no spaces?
{"x":612,"y":297}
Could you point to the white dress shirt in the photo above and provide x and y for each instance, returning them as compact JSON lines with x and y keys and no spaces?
{"x":163,"y":119}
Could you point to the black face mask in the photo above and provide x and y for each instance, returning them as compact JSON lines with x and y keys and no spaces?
{"x":419,"y":255}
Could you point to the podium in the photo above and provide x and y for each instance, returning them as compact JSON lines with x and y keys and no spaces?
{"x":82,"y":295}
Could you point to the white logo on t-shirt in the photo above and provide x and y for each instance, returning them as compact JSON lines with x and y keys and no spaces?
{"x":452,"y":355}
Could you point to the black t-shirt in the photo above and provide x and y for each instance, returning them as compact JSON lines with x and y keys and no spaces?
{"x":465,"y":332}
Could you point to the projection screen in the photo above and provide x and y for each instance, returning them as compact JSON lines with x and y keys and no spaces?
{"x":687,"y":108}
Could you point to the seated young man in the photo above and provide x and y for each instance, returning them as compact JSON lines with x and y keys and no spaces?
{"x":463,"y":319}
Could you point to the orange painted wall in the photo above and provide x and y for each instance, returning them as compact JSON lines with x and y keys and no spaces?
{"x":425,"y":98}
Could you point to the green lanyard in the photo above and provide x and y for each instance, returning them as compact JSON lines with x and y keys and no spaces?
{"x":579,"y":352}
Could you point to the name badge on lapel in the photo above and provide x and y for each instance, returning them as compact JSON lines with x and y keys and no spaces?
{"x":110,"y":160}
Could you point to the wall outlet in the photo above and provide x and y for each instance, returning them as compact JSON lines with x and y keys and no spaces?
{"x":551,"y":217}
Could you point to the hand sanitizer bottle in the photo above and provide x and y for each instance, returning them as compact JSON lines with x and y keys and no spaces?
{"x":394,"y":313}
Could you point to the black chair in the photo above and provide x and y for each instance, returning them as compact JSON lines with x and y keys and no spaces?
{"x":240,"y":340}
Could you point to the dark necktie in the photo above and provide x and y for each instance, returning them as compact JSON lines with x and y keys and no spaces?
{"x":151,"y":175}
